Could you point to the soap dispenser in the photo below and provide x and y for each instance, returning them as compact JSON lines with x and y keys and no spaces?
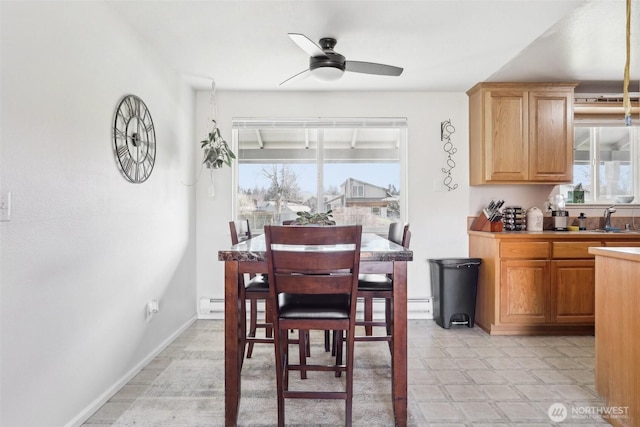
{"x":582,"y":221}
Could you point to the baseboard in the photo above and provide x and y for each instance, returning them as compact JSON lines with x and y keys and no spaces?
{"x":111,"y":391}
{"x":417,"y":308}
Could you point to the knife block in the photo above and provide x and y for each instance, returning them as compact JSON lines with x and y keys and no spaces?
{"x":482,"y":223}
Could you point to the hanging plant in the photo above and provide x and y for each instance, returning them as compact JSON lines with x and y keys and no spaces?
{"x":216,"y":150}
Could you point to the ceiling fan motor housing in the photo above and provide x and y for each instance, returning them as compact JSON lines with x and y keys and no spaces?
{"x":331,"y":58}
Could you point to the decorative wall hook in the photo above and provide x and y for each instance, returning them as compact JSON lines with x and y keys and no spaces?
{"x":446,"y":129}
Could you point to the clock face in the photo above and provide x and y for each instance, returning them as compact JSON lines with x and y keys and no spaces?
{"x":134,"y":139}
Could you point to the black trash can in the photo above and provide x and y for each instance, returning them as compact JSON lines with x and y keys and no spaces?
{"x":454,"y":285}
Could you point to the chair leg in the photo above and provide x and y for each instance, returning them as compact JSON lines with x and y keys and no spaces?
{"x":368,"y":315}
{"x":253,"y":321}
{"x":282,"y":379}
{"x":334,"y":343}
{"x":303,"y":339}
{"x":349,"y":385}
{"x":268,"y":318}
{"x":388,"y":313}
{"x":327,"y":341}
{"x":284,"y":348}
{"x":338,"y":341}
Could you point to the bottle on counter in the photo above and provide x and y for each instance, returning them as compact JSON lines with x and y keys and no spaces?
{"x":582,"y":221}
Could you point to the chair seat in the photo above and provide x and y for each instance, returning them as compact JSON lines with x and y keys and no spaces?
{"x":257,"y":284}
{"x":374,"y":282}
{"x":294,"y":306}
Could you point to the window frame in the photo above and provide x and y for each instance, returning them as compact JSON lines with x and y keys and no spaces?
{"x":595,"y":160}
{"x":400,"y":123}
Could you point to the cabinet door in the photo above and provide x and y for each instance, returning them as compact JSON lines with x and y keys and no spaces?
{"x":551,"y":136}
{"x":524,"y":291}
{"x":506,"y":136}
{"x":573,"y":291}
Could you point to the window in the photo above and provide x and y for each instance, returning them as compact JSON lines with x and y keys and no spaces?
{"x":353,"y":167}
{"x":605,"y":162}
{"x":357,"y":191}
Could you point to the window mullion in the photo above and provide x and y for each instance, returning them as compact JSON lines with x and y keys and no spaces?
{"x":595,"y":164}
{"x":320,"y":171}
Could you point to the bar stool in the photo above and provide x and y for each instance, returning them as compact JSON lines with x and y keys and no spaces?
{"x":372,"y":286}
{"x":256,"y":290}
{"x":313,"y":288}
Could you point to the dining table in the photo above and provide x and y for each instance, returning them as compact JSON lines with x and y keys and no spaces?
{"x":377,"y":255}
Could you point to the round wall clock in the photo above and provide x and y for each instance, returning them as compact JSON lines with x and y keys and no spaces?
{"x":134,"y":139}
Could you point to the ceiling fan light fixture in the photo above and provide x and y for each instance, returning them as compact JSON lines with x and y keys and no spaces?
{"x":327,"y":73}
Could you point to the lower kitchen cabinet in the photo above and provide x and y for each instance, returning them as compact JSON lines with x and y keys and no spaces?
{"x":524,"y":291}
{"x":573,"y":291}
{"x":538,"y":283}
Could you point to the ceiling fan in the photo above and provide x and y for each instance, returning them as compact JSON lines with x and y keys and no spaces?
{"x":327,"y":64}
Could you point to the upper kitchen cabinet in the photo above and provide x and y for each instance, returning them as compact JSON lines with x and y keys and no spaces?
{"x":520,"y":133}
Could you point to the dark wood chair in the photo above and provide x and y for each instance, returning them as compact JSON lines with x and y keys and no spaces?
{"x":372,"y":286}
{"x":257,"y":289}
{"x":313,"y":287}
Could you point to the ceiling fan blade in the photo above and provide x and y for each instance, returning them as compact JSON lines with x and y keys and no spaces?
{"x":294,"y":76}
{"x":373,"y":68}
{"x":306,"y":44}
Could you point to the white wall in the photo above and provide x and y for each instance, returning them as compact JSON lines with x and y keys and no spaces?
{"x":85,"y":250}
{"x":437,"y":218}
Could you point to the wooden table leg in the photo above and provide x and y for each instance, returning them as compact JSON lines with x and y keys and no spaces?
{"x":399,"y":356}
{"x":232,"y":347}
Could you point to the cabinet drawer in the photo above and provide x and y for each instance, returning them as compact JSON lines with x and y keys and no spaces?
{"x":524,"y":250}
{"x":573,"y":249}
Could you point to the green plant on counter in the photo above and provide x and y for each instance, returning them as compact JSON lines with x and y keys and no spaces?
{"x":319,"y":218}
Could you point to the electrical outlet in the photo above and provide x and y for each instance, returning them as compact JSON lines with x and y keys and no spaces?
{"x":5,"y":206}
{"x":152,"y":308}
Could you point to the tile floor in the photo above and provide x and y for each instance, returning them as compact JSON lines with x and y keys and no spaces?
{"x":457,"y":377}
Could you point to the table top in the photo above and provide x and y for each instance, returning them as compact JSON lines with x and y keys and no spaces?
{"x":373,"y":248}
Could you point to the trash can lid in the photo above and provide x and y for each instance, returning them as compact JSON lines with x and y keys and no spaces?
{"x":456,"y":262}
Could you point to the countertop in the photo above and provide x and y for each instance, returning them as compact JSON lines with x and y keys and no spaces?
{"x":551,"y":235}
{"x":630,"y":254}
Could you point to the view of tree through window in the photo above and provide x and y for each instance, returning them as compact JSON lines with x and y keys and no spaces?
{"x":352,"y":167}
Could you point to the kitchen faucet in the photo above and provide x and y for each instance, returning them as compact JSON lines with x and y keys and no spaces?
{"x":607,"y":216}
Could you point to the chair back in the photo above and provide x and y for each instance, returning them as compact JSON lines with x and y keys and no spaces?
{"x":240,"y":231}
{"x":314,"y":260}
{"x":399,"y":233}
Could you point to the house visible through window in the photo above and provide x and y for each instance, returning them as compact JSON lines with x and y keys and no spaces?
{"x":353,"y":167}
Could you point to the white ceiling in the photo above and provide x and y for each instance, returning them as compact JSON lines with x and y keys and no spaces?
{"x":442,"y":45}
